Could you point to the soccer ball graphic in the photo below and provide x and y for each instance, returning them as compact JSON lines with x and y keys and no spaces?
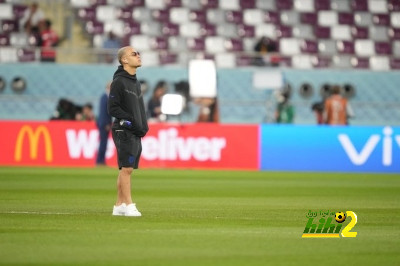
{"x":340,"y":217}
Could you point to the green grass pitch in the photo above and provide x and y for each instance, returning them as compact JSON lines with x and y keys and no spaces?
{"x":62,"y":216}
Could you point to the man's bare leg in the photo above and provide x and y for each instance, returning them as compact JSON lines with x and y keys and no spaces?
{"x":124,"y":186}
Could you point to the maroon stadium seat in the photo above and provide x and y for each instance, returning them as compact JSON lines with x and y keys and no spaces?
{"x":272,"y":17}
{"x":309,"y":18}
{"x":210,"y":3}
{"x":88,"y":13}
{"x":359,"y":5}
{"x":309,"y":46}
{"x":395,"y":63}
{"x":173,"y":3}
{"x":134,"y":3}
{"x":94,"y":27}
{"x":245,"y":30}
{"x":244,"y":60}
{"x":360,"y":62}
{"x":170,"y":29}
{"x":131,"y":28}
{"x":207,"y":29}
{"x":345,"y":18}
{"x":284,"y":4}
{"x":234,"y":16}
{"x":198,"y":15}
{"x":381,"y":19}
{"x":383,"y":48}
{"x":345,"y":47}
{"x":360,"y":32}
{"x":321,"y":61}
{"x":394,"y":5}
{"x":26,"y":55}
{"x":394,"y":34}
{"x":167,"y":58}
{"x":283,"y":31}
{"x":234,"y":44}
{"x":322,"y":32}
{"x":159,"y":43}
{"x":4,"y":39}
{"x":161,"y":15}
{"x":247,"y":4}
{"x":196,"y":44}
{"x":9,"y":25}
{"x":322,"y":5}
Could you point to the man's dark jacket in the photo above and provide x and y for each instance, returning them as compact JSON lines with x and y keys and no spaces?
{"x":126,"y":102}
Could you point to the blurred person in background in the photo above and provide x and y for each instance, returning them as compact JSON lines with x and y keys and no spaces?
{"x":263,"y":47}
{"x":31,"y":19}
{"x":336,"y":109}
{"x":86,"y":113}
{"x":209,"y":111}
{"x":48,"y":39}
{"x":318,"y":109}
{"x":154,"y":104}
{"x":103,"y":124}
{"x":284,"y":113}
{"x":112,"y":43}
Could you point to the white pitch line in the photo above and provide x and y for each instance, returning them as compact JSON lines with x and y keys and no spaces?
{"x":37,"y":213}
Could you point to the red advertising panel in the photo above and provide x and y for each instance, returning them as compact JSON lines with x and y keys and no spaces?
{"x":59,"y":143}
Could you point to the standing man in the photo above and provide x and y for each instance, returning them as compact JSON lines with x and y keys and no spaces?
{"x":103,"y":123}
{"x":125,"y":103}
{"x":337,"y":109}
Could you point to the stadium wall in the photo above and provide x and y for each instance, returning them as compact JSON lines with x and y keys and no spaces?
{"x":375,"y":101}
{"x":210,"y":146}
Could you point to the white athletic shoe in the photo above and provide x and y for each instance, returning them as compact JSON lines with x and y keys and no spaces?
{"x":119,"y":210}
{"x":131,"y":210}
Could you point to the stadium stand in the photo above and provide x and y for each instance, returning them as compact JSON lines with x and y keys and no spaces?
{"x":328,"y":36}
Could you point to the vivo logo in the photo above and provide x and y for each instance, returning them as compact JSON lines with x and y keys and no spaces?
{"x":359,"y":158}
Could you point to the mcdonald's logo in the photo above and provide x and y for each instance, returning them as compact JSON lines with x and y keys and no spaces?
{"x":33,"y":137}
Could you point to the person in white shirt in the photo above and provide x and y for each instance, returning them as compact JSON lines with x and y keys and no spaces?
{"x":31,"y":19}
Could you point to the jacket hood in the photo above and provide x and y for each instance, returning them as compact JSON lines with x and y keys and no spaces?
{"x":121,"y":72}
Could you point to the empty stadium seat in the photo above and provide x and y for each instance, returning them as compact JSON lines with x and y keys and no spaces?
{"x":179,"y":15}
{"x":396,"y":48}
{"x":6,"y":11}
{"x":215,"y":44}
{"x":304,"y":5}
{"x":161,"y":15}
{"x":106,"y":13}
{"x":309,"y":46}
{"x":360,"y":62}
{"x":394,"y":34}
{"x":322,"y":5}
{"x":395,"y":19}
{"x":345,"y":47}
{"x":383,"y":48}
{"x":8,"y":54}
{"x":198,"y":15}
{"x":159,"y":43}
{"x":359,"y":5}
{"x":284,"y":4}
{"x":308,"y":18}
{"x":321,"y":61}
{"x":253,"y":16}
{"x":290,"y":18}
{"x":377,"y":6}
{"x":379,"y":33}
{"x":340,"y":5}
{"x":272,"y":17}
{"x":209,"y":3}
{"x":247,"y":4}
{"x":266,"y":30}
{"x":150,"y":58}
{"x":266,"y":5}
{"x":191,"y":29}
{"x":170,"y":29}
{"x":363,"y":19}
{"x":215,"y":16}
{"x":341,"y":32}
{"x":246,"y":30}
{"x":177,"y":43}
{"x":87,"y":13}
{"x":229,"y":4}
{"x":327,"y":18}
{"x":302,"y":61}
{"x":140,"y":42}
{"x":395,"y":63}
{"x":233,"y":16}
{"x":225,"y":60}
{"x":327,"y":47}
{"x":341,"y":61}
{"x":360,"y":32}
{"x":364,"y":47}
{"x":9,"y":25}
{"x":345,"y":18}
{"x":289,"y":46}
{"x":166,"y":58}
{"x":208,"y":29}
{"x":151,"y":28}
{"x":155,"y":4}
{"x":115,"y":26}
{"x":4,"y":39}
{"x":196,"y":44}
{"x":283,"y":31}
{"x":379,"y":63}
{"x":322,"y":32}
{"x":381,"y":19}
{"x":26,"y":55}
{"x":233,"y":44}
{"x":303,"y":31}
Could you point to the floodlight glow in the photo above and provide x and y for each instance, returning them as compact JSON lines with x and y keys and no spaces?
{"x":202,"y":78}
{"x":172,"y":104}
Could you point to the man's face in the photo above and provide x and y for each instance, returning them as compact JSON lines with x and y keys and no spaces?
{"x":133,"y":58}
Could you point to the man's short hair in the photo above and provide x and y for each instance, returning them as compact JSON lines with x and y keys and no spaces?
{"x":121,"y":53}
